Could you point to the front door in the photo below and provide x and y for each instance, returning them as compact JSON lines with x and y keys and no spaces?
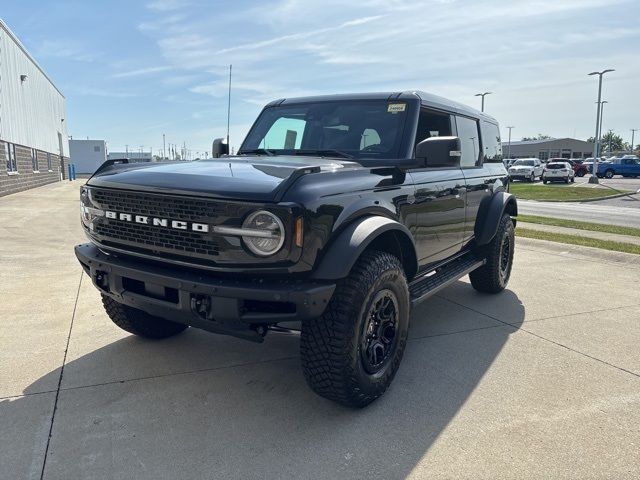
{"x":439,"y":198}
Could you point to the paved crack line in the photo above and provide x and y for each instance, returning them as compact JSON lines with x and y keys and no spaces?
{"x":173,"y":374}
{"x":547,"y":339}
{"x":64,"y":360}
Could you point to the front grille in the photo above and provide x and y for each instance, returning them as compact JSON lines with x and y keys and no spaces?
{"x":157,"y":240}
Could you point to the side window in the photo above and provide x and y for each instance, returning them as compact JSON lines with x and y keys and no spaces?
{"x":284,"y":134}
{"x":492,"y":146}
{"x":469,"y":141}
{"x":49,"y":166}
{"x":433,"y":124}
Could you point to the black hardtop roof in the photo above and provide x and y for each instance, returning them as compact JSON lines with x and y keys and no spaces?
{"x":426,"y":99}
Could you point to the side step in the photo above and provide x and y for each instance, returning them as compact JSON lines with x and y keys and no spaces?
{"x":426,"y":285}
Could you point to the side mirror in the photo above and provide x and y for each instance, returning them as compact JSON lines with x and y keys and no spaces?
{"x":439,"y":152}
{"x":219,"y":147}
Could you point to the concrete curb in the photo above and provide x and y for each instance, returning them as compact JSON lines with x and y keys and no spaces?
{"x":580,"y":252}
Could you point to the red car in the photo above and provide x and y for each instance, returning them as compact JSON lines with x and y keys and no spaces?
{"x":578,"y":168}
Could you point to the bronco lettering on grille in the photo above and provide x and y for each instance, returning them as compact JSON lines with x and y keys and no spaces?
{"x":158,"y":222}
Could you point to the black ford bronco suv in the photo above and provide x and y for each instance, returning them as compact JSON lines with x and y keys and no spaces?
{"x":339,"y":212}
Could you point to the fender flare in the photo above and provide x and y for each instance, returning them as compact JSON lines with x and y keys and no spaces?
{"x":341,"y":254}
{"x":491,"y":211}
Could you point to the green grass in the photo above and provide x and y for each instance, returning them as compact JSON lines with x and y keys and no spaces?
{"x":593,"y":227}
{"x":529,"y":191}
{"x":576,"y":240}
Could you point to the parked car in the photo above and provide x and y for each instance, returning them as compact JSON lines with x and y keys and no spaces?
{"x":558,"y":171}
{"x":627,"y":167}
{"x":579,"y":168}
{"x":526,"y":169}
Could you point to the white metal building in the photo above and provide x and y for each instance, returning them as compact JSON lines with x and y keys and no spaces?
{"x":87,"y":155}
{"x":33,"y":131}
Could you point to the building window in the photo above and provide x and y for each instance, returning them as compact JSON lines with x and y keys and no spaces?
{"x":34,"y":160}
{"x":96,"y":148}
{"x":554,"y":154}
{"x":12,"y":165}
{"x":49,"y":166}
{"x":543,"y":155}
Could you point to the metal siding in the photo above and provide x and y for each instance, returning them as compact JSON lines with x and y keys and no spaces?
{"x":30,"y":111}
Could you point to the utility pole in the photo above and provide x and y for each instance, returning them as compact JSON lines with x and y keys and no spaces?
{"x":229,"y":105}
{"x":163,"y":145}
{"x":509,"y":147}
{"x":594,"y":176}
{"x":482,"y":95}
{"x":633,"y":135}
{"x":610,"y":135}
{"x":126,"y":149}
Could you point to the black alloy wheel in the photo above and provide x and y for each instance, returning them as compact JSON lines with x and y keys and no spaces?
{"x":378,"y":337}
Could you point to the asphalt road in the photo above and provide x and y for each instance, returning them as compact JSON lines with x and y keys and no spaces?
{"x":597,"y":212}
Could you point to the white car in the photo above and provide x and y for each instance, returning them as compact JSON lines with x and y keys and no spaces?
{"x":558,"y":171}
{"x":526,"y":169}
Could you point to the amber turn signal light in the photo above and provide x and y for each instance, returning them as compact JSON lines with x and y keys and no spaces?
{"x":299,"y":230}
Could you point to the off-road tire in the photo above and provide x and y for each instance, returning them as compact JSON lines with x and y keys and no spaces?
{"x":138,"y":322}
{"x":331,"y":346}
{"x":492,"y":277}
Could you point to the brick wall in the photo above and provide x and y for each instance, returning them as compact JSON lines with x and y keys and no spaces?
{"x":26,"y":177}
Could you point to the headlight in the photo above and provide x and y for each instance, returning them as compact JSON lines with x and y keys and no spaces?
{"x":264,"y":233}
{"x":88,"y":212}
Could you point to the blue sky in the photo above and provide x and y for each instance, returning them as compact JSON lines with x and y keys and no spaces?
{"x":132,"y":71}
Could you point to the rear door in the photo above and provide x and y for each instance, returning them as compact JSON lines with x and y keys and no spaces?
{"x":484,"y":177}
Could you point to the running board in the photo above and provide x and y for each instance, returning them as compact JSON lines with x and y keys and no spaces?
{"x":426,"y":285}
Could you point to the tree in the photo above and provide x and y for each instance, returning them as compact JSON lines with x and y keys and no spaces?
{"x":536,"y":137}
{"x":612,"y":142}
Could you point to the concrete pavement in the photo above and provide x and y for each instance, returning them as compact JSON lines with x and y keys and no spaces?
{"x":541,"y":381}
{"x":624,"y":211}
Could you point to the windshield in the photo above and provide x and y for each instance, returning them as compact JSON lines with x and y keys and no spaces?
{"x":526,"y":163}
{"x":353,"y":129}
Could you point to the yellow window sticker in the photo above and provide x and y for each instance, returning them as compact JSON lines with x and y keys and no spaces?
{"x":396,"y":107}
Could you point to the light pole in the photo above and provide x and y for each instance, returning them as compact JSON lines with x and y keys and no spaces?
{"x":163,"y":145}
{"x":509,"y":147}
{"x":594,"y":176}
{"x":482,"y":95}
{"x":633,"y":135}
{"x":600,"y":127}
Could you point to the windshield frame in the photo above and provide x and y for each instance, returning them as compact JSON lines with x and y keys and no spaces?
{"x":406,"y":134}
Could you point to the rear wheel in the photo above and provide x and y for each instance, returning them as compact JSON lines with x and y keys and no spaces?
{"x":608,"y":174}
{"x":494,"y":275}
{"x":580,"y":173}
{"x":352,"y":352}
{"x":138,"y":322}
{"x":532,"y":178}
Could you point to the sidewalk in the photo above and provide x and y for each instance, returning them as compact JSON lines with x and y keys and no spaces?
{"x":610,"y":237}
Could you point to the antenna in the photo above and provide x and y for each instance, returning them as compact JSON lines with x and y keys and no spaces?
{"x":229,"y":104}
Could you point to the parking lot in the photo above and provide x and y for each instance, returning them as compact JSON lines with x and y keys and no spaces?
{"x":541,"y":381}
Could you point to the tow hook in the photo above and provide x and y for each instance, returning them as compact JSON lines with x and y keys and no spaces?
{"x":201,"y":306}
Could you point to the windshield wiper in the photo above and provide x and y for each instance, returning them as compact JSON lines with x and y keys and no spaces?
{"x":324,"y":153}
{"x":257,"y":151}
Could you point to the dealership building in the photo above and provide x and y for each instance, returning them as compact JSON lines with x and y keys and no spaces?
{"x":87,"y":155}
{"x":34,"y":149}
{"x":549,"y":148}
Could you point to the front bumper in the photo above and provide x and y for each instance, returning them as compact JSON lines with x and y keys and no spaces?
{"x":202,"y":300}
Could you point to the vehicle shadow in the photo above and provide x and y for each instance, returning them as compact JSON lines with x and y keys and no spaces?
{"x":206,"y":406}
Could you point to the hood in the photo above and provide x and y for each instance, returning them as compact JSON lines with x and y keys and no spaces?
{"x":254,"y":178}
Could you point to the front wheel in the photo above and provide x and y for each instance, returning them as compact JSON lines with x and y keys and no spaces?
{"x":138,"y":322}
{"x":352,"y":352}
{"x":608,"y":174}
{"x":532,"y":178}
{"x":494,"y":275}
